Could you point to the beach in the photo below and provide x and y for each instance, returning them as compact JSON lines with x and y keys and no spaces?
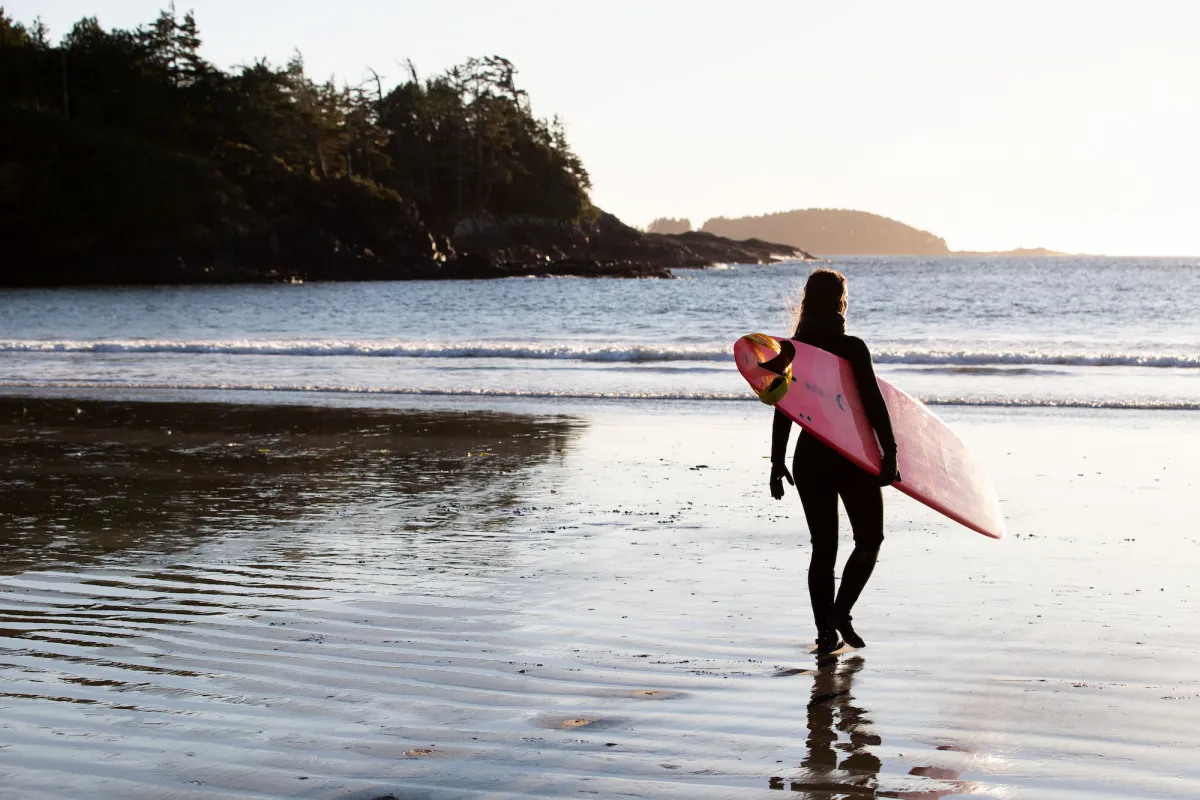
{"x":500,"y":599}
{"x":380,"y":402}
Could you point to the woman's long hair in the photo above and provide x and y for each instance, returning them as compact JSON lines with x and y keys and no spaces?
{"x":823,"y":302}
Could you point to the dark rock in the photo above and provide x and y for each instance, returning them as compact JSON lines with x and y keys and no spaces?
{"x":719,"y":250}
{"x":485,"y":246}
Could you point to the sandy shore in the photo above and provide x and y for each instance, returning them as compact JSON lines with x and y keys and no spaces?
{"x":223,"y":601}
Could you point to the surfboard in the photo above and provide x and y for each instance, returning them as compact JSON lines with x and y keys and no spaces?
{"x":816,"y":390}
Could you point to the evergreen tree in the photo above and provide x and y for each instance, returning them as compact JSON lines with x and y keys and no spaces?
{"x":129,"y":145}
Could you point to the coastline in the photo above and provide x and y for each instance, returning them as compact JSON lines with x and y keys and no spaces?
{"x":482,"y":248}
{"x":604,"y":602}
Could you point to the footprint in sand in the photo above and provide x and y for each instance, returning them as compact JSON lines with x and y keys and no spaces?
{"x":565,"y":723}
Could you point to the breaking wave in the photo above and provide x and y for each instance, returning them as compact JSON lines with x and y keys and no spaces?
{"x":617,"y":353}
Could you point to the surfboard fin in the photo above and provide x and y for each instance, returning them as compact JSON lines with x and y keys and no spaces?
{"x":787,"y":352}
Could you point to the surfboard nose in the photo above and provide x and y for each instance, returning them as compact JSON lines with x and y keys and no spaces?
{"x":765,"y":362}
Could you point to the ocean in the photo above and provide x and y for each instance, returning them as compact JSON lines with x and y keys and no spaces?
{"x":510,"y":539}
{"x":1083,"y":332}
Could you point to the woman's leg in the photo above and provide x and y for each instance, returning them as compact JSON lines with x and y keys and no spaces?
{"x":819,"y":498}
{"x":863,"y":500}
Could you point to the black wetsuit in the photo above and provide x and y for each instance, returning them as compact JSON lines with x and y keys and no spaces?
{"x":822,"y":475}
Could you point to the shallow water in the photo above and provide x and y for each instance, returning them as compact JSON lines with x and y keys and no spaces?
{"x":85,"y":479}
{"x":607,"y":606}
{"x":1035,"y":332}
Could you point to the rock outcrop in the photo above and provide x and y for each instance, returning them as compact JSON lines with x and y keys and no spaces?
{"x":485,"y":247}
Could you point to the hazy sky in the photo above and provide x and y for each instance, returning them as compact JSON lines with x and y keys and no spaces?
{"x":1070,"y":125}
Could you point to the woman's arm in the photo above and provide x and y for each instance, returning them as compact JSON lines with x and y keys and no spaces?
{"x":873,"y":404}
{"x":781,"y":429}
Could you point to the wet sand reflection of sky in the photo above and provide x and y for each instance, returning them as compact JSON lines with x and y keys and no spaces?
{"x":86,"y":480}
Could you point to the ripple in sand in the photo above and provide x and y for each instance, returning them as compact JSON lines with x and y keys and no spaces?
{"x":655,"y":694}
{"x":639,"y":694}
{"x":787,"y":673}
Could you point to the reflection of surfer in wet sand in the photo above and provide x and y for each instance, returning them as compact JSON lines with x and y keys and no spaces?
{"x":822,"y":475}
{"x":831,"y":698}
{"x":848,"y":768}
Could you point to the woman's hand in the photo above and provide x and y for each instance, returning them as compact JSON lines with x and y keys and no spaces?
{"x":778,"y":473}
{"x":888,"y":473}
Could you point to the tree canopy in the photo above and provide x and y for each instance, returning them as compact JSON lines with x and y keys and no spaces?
{"x":669,"y":225}
{"x":126,"y":147}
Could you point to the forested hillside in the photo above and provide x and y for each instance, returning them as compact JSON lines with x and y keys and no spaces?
{"x":126,"y":157}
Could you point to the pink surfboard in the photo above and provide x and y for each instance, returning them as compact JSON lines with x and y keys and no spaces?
{"x":936,"y":468}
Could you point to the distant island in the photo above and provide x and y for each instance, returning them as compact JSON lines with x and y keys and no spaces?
{"x":828,"y":231}
{"x":127,"y":158}
{"x":832,"y":232}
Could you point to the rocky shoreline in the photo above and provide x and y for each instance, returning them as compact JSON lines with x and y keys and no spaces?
{"x":486,"y":247}
{"x":480,"y":248}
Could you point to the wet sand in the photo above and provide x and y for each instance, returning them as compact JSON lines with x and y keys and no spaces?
{"x":325,"y":603}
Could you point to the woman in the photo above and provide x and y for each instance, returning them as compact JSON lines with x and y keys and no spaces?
{"x":821,"y":475}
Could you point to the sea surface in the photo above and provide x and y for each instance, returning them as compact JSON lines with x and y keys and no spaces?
{"x":508,"y":539}
{"x":1079,"y":332}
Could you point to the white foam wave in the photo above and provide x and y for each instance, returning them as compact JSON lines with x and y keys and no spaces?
{"x":935,"y":400}
{"x":616,"y":353}
{"x":1064,"y":402}
{"x":967,"y":358}
{"x":380,"y":348}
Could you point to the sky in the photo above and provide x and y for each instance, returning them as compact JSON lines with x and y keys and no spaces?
{"x":1060,"y":124}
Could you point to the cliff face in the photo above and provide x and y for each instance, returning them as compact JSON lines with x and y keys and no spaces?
{"x":832,"y":232}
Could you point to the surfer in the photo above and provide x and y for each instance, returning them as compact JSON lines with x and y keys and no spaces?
{"x":821,"y":475}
